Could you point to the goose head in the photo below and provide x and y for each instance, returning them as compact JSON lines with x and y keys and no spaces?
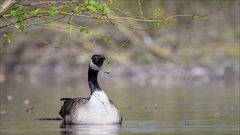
{"x":96,"y":62}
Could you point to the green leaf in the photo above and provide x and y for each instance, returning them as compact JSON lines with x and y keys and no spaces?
{"x":20,"y":26}
{"x":35,"y":12}
{"x":107,"y":71}
{"x":9,"y":38}
{"x":91,"y":8}
{"x":89,"y":2}
{"x":13,"y":13}
{"x":20,"y":17}
{"x":104,"y":8}
{"x":83,"y":29}
{"x":53,"y":13}
{"x":16,"y":14}
{"x":20,"y":12}
{"x":22,"y":9}
{"x":70,"y":19}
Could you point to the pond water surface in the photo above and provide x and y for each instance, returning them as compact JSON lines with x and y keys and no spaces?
{"x":176,"y":108}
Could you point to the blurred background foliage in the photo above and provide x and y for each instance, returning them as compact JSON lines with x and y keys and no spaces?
{"x":141,"y":38}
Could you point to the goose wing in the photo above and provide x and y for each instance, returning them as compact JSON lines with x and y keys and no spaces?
{"x":70,"y":103}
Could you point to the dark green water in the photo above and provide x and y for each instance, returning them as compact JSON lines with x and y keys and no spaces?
{"x":165,"y":108}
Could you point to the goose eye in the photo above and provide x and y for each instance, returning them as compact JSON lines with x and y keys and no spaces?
{"x":94,"y":59}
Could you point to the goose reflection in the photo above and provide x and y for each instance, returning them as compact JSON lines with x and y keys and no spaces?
{"x":90,"y":129}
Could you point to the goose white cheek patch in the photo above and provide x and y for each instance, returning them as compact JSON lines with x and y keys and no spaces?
{"x":93,"y":66}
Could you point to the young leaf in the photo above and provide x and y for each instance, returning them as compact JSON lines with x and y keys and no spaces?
{"x":35,"y":12}
{"x":20,"y":26}
{"x":9,"y":38}
{"x":107,"y":71}
{"x":83,"y":29}
{"x":53,"y":13}
{"x":13,"y":13}
{"x":89,"y":2}
{"x":22,"y":9}
{"x":17,"y":14}
{"x":91,"y":8}
{"x":20,"y":12}
{"x":104,"y":8}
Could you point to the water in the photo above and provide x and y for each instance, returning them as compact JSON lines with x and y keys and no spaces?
{"x":175,"y":108}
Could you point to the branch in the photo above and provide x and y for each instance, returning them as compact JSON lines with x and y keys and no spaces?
{"x":35,"y":37}
{"x":140,"y":8}
{"x":115,"y":18}
{"x":6,"y":5}
{"x":29,"y":34}
{"x":213,"y":11}
{"x":12,"y":23}
{"x":46,"y":2}
{"x":198,"y":17}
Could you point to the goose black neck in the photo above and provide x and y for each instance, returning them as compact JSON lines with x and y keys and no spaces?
{"x":92,"y":80}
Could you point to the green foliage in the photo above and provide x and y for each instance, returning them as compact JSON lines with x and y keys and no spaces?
{"x":104,"y":8}
{"x":22,"y":13}
{"x":98,"y":10}
{"x":159,"y":13}
{"x":19,"y":13}
{"x":91,"y":8}
{"x":91,"y":18}
{"x":22,"y":9}
{"x":53,"y":11}
{"x":92,"y":5}
{"x":107,"y":71}
{"x":9,"y":37}
{"x":89,"y":2}
{"x":35,"y":12}
{"x":160,"y":23}
{"x":83,"y":29}
{"x":20,"y":26}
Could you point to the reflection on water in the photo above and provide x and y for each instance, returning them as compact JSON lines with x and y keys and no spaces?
{"x":91,"y":129}
{"x":179,"y":108}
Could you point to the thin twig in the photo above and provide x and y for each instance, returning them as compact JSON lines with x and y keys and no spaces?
{"x":140,"y":8}
{"x":200,"y":16}
{"x":98,"y":20}
{"x":120,"y":17}
{"x":130,"y":26}
{"x":207,"y":14}
{"x":12,"y":23}
{"x":121,"y":12}
{"x":46,"y":2}
{"x":108,"y":19}
{"x":98,"y":36}
{"x":31,"y":35}
{"x":116,"y":18}
{"x":35,"y":37}
{"x":174,"y":16}
{"x":46,"y":22}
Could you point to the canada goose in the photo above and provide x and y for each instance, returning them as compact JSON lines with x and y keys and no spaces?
{"x":96,"y":109}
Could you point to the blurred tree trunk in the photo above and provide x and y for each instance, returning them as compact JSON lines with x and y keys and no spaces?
{"x":6,"y":5}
